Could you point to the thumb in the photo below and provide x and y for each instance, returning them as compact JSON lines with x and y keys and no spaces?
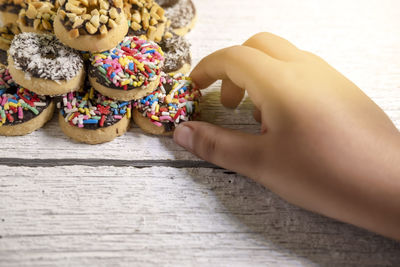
{"x":227,"y":148}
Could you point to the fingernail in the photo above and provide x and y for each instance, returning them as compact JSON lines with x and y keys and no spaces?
{"x":183,"y":136}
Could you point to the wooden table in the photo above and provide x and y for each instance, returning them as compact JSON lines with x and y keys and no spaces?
{"x":142,"y":200}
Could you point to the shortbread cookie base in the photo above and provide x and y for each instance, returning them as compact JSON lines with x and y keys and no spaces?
{"x":93,"y":137}
{"x":183,"y":31}
{"x":7,"y":17}
{"x":184,"y":69}
{"x":31,"y":125}
{"x":148,"y":127}
{"x":43,"y":86}
{"x":123,"y":95}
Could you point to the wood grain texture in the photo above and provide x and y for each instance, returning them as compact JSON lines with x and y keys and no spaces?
{"x":119,"y":216}
{"x":360,"y":39}
{"x":143,"y":200}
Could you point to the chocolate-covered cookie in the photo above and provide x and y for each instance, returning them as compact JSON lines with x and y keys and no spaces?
{"x":21,"y":111}
{"x":181,"y":13}
{"x":89,"y":117}
{"x":177,"y":54}
{"x":176,"y":100}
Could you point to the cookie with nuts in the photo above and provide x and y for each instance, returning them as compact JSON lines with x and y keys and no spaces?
{"x":7,"y":34}
{"x":9,"y":10}
{"x":181,"y":13}
{"x":37,"y":17}
{"x":146,"y":19}
{"x":91,"y":25}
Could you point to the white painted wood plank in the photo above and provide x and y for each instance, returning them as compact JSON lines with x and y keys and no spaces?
{"x":361,"y":39}
{"x":116,"y":216}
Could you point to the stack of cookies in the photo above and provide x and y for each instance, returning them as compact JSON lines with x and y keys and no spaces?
{"x":101,"y":62}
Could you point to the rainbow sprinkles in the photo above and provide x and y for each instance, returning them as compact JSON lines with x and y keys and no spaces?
{"x":176,"y":100}
{"x":133,"y":63}
{"x":17,"y":104}
{"x":91,"y":110}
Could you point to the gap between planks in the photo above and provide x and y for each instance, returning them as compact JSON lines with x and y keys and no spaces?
{"x":20,"y":162}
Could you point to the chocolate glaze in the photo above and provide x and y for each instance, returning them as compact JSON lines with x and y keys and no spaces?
{"x":176,"y":52}
{"x":3,"y":57}
{"x":140,"y":32}
{"x":10,"y":8}
{"x":109,"y":121}
{"x":93,"y":72}
{"x":82,"y":29}
{"x":55,"y":61}
{"x":167,"y":3}
{"x":28,"y":115}
{"x":168,"y":125}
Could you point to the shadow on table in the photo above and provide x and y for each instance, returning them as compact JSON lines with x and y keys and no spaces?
{"x":292,"y":231}
{"x":295,"y":232}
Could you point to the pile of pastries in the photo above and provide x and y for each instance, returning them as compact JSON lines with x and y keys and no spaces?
{"x":101,"y":63}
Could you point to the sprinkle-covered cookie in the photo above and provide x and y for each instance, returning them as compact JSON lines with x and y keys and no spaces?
{"x":21,"y":111}
{"x":176,"y":100}
{"x":90,"y":117}
{"x":128,"y":71}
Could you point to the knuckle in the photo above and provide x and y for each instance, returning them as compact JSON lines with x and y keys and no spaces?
{"x":206,"y":144}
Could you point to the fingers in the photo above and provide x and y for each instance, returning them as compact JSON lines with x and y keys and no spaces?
{"x":246,"y":67}
{"x":231,"y":94}
{"x":257,"y":114}
{"x":275,"y":46}
{"x":229,"y":149}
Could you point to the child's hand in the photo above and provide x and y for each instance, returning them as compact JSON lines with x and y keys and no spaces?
{"x":324,"y":146}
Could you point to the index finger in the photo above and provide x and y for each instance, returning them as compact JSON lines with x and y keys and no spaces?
{"x":246,"y":67}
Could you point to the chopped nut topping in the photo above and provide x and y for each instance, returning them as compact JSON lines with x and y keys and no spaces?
{"x":103,"y":30}
{"x":95,"y":12}
{"x":86,"y":17}
{"x":78,"y":22}
{"x":111,"y":23}
{"x":90,"y":28}
{"x":31,"y":12}
{"x":74,"y":33}
{"x":36,"y":24}
{"x":147,"y":15}
{"x":135,"y":26}
{"x":95,"y":20}
{"x":118,"y":3}
{"x":103,"y":19}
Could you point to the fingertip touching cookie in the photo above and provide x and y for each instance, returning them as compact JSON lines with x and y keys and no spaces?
{"x":181,"y":13}
{"x":21,"y":111}
{"x":128,"y":71}
{"x":44,"y":65}
{"x":176,"y":100}
{"x":91,"y":25}
{"x":89,"y":117}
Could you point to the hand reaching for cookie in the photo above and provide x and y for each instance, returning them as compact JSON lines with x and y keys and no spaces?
{"x":324,"y":145}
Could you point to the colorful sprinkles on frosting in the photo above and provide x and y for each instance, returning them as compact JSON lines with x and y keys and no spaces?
{"x":17,"y":104}
{"x":176,"y":100}
{"x":90,"y":109}
{"x":133,"y":63}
